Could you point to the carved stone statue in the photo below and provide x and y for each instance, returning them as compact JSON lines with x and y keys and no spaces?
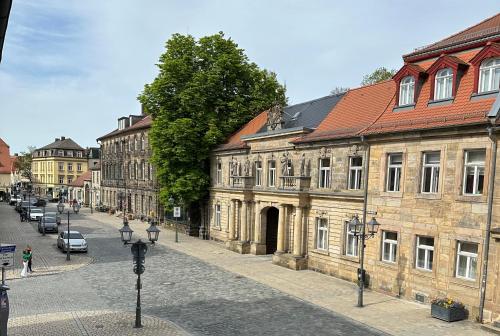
{"x":234,"y":167}
{"x":246,"y":168}
{"x":275,"y":117}
{"x":284,"y":165}
{"x":303,"y":165}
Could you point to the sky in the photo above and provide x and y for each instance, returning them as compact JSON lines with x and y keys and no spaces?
{"x":72,"y":68}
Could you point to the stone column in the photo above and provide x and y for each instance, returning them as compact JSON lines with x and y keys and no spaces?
{"x":280,"y":248}
{"x":297,"y":233}
{"x":244,"y":220}
{"x":257,"y":230}
{"x":232,"y":214}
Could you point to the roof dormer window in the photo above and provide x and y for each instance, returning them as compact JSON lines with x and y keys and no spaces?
{"x":444,"y":84}
{"x":489,"y":75}
{"x":407,"y":91}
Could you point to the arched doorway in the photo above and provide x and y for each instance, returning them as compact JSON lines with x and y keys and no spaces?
{"x":271,"y":230}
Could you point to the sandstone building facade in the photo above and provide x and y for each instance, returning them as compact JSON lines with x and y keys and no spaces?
{"x":127,"y":177}
{"x":425,"y":142}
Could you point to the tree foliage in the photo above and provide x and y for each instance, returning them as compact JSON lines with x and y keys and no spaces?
{"x":379,"y":75}
{"x":23,"y":164}
{"x":205,"y":90}
{"x":338,"y":90}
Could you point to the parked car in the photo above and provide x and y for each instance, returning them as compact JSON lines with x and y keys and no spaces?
{"x":35,"y":214}
{"x":54,"y":214}
{"x":76,"y":241}
{"x":22,"y":206}
{"x":14,"y":199}
{"x":40,"y":203}
{"x":49,"y":224}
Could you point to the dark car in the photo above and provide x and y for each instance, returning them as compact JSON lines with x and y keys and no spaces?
{"x":40,"y":203}
{"x":49,"y":224}
{"x":54,"y":214}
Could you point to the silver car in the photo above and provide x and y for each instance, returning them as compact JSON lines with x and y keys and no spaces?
{"x":55,"y":215}
{"x":47,"y":224}
{"x":76,"y":241}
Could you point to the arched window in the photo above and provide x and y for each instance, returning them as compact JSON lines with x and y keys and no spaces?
{"x":444,"y":84}
{"x":143,"y":142}
{"x":129,"y":167}
{"x":135,"y":170}
{"x":407,"y":91}
{"x":137,"y":144}
{"x":489,"y":75}
{"x":130,"y":144}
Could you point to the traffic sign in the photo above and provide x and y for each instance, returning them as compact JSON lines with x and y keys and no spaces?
{"x":177,"y":212}
{"x":7,"y":255}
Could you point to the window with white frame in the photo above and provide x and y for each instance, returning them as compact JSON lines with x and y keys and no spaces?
{"x":60,"y":152}
{"x":474,"y":172}
{"x":70,"y":179}
{"x":351,"y":242}
{"x":394,"y":166}
{"x":322,"y":234}
{"x":489,"y":75}
{"x":407,"y":91}
{"x":217,"y":215}
{"x":425,"y":253}
{"x":79,"y":167}
{"x":271,"y":182}
{"x":430,"y":172}
{"x":324,"y":173}
{"x":70,"y":167}
{"x":61,"y":179}
{"x":355,"y":172}
{"x":389,"y":246}
{"x":466,"y":260}
{"x":60,"y":166}
{"x":79,"y":154}
{"x":258,"y":173}
{"x":219,"y":172}
{"x":443,"y":84}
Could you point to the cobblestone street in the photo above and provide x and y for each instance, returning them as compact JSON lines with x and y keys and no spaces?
{"x":200,"y":298}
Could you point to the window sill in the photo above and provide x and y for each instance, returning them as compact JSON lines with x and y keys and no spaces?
{"x":484,"y":95}
{"x":322,"y":252}
{"x":464,"y":282}
{"x":388,"y":264}
{"x":471,"y":199}
{"x":350,"y":258}
{"x":440,"y":102}
{"x":424,"y":273}
{"x":402,"y":108}
{"x":429,"y":196}
{"x":216,"y":228}
{"x":395,"y":194}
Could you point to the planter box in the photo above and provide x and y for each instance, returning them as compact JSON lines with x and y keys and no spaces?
{"x":448,"y":314}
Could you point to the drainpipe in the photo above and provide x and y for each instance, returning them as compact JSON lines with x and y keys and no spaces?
{"x":486,"y":247}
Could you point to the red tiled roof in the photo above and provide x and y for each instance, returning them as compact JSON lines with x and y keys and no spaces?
{"x":80,"y":180}
{"x":254,"y":125}
{"x":143,"y":123}
{"x":5,"y":159}
{"x":357,"y":110}
{"x":462,"y":111}
{"x":488,"y":28}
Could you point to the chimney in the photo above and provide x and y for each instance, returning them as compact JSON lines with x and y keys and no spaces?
{"x":62,"y":138}
{"x":57,"y":139}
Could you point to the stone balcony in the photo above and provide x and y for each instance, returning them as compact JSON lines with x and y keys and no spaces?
{"x":242,"y":182}
{"x":295,"y":183}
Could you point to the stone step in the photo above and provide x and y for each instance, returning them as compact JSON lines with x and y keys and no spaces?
{"x":491,"y":328}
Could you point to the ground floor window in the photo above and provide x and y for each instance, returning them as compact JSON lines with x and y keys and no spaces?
{"x":321,"y":233}
{"x":217,"y":215}
{"x":389,"y":246}
{"x":425,"y":253}
{"x":467,"y":260}
{"x":351,"y":242}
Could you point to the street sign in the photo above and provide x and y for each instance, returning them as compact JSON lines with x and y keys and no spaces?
{"x":177,"y":212}
{"x":7,"y":255}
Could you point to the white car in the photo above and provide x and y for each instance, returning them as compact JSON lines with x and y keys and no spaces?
{"x":76,"y":241}
{"x":36,"y":214}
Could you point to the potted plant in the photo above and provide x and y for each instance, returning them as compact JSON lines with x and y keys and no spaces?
{"x":448,"y":310}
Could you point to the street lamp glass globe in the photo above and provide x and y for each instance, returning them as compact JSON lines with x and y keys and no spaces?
{"x":126,"y":233}
{"x":153,"y":232}
{"x":355,"y":226}
{"x":373,"y":226}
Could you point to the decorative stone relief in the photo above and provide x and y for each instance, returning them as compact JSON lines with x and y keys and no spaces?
{"x":246,"y":167}
{"x":275,"y":118}
{"x":323,"y":152}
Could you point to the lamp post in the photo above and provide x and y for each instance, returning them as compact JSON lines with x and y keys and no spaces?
{"x":139,"y":249}
{"x":359,"y":230}
{"x":43,"y":222}
{"x":171,"y":200}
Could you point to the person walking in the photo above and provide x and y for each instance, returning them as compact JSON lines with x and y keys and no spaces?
{"x":30,"y":263}
{"x":26,"y":257}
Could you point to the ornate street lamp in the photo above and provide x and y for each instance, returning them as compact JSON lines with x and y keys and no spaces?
{"x":139,"y":249}
{"x":359,"y":230}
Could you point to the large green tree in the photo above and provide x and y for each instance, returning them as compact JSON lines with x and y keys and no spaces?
{"x":205,"y":90}
{"x":23,"y":163}
{"x":379,"y":75}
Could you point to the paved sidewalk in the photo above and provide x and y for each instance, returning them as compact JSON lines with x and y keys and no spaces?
{"x":90,"y":323}
{"x":386,"y":313}
{"x":47,"y":259}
